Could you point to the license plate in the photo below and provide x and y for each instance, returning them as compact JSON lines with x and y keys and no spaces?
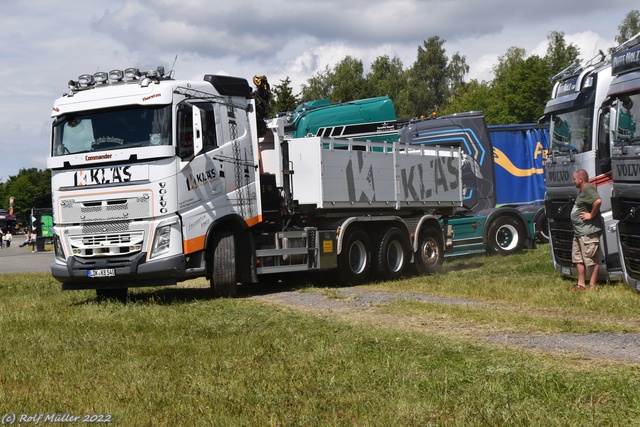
{"x":105,"y":272}
{"x":565,"y":270}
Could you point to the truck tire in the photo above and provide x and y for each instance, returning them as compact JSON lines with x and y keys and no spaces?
{"x":430,"y":255}
{"x":354,"y":261}
{"x":393,"y":254}
{"x":542,"y":228}
{"x":223,"y":278}
{"x":505,"y":236}
{"x":118,"y":295}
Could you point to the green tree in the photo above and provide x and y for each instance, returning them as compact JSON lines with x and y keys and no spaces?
{"x":347,"y":80}
{"x":430,"y":80}
{"x":508,"y":61}
{"x":630,"y":27}
{"x":473,"y":96}
{"x":456,"y":72}
{"x":386,"y":77}
{"x":318,"y":86}
{"x":31,"y":188}
{"x":427,"y":88}
{"x":285,"y":99}
{"x":521,"y":88}
{"x":559,"y":56}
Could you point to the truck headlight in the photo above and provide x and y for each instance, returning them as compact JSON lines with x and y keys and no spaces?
{"x":57,"y":249}
{"x":161,"y":241}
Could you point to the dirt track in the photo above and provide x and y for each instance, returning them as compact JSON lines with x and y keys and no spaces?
{"x":362,"y":306}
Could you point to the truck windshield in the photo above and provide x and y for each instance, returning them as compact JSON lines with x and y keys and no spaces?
{"x":112,"y":129}
{"x":571,"y":131}
{"x":628,"y":113}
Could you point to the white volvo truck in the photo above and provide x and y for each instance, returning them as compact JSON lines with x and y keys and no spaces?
{"x":157,"y":180}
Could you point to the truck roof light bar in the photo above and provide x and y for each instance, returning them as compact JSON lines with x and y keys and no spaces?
{"x":577,"y":66}
{"x":629,"y":43}
{"x":88,"y":81}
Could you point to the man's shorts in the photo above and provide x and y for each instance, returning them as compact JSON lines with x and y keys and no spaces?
{"x":585,"y":249}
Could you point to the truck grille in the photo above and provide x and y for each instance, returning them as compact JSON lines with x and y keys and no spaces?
{"x":103,"y":211}
{"x":106,"y":244}
{"x":561,"y":235}
{"x":111,"y":227}
{"x":629,"y":231}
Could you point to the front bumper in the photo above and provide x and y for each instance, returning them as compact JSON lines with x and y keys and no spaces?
{"x":130,"y":271}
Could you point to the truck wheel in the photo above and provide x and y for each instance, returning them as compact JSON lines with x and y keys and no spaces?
{"x":430,"y":255}
{"x":505,"y":236}
{"x":542,"y":228}
{"x":223,"y":279}
{"x":354,"y":261}
{"x":119,"y":295}
{"x":393,"y":254}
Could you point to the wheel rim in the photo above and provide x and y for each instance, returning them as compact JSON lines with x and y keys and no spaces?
{"x":357,"y":257}
{"x":429,"y":252}
{"x":507,"y":237}
{"x":395,"y":257}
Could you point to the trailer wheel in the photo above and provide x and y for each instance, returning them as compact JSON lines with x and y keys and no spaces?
{"x":505,"y":236}
{"x":223,"y":278}
{"x":354,"y":261}
{"x":393,"y":254}
{"x":430,"y":255}
{"x":542,"y":226}
{"x":119,"y":295}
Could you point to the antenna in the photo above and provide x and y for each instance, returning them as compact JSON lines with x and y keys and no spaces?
{"x":173,"y":66}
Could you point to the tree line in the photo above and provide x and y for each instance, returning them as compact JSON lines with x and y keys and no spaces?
{"x":517,"y":93}
{"x":31,"y":188}
{"x":435,"y":82}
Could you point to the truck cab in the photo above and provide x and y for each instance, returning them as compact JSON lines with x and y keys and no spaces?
{"x":580,"y":140}
{"x":479,"y":226}
{"x":623,"y":102}
{"x":373,"y":119}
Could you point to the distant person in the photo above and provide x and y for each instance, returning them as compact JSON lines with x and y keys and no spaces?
{"x":587,"y":229}
{"x":34,"y":237}
{"x":27,"y":239}
{"x":8,"y":237}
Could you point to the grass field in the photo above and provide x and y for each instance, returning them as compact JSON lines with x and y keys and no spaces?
{"x":178,"y":357}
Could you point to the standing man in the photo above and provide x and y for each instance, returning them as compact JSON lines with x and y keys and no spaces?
{"x":587,"y":228}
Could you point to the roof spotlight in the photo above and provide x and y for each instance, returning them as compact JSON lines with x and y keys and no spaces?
{"x":101,"y":77}
{"x":116,"y":75}
{"x":86,"y":80}
{"x":132,"y":73}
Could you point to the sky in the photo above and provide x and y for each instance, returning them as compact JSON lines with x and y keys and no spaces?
{"x":44,"y":44}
